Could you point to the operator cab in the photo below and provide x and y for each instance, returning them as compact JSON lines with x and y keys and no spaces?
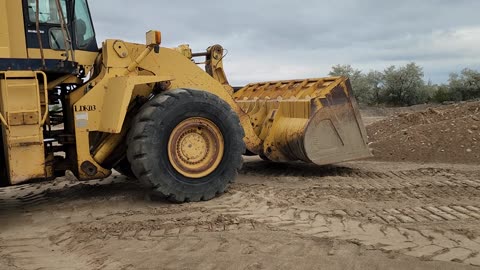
{"x":59,"y":36}
{"x":77,"y":22}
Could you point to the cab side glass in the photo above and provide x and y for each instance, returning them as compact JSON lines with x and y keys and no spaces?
{"x":48,"y":11}
{"x":84,"y":32}
{"x":56,"y":38}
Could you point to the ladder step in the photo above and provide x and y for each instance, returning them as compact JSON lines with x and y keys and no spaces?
{"x":24,"y":111}
{"x":21,"y":85}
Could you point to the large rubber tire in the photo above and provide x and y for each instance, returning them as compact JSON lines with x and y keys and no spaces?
{"x":147,"y":144}
{"x":124,"y":168}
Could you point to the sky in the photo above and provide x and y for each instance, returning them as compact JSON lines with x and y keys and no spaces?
{"x":278,"y":40}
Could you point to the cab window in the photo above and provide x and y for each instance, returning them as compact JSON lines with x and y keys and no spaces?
{"x":56,"y":39}
{"x":48,"y":11}
{"x":84,"y":33}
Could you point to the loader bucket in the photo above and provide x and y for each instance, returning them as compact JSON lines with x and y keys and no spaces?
{"x":313,"y":120}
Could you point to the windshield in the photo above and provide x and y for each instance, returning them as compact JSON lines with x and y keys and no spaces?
{"x":48,"y":12}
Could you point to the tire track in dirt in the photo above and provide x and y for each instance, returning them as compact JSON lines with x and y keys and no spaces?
{"x":274,"y":206}
{"x":147,"y":223}
{"x":158,"y":227}
{"x":307,"y":184}
{"x":144,"y":229}
{"x":263,"y":168}
{"x":426,"y":191}
{"x":335,"y":177}
{"x":250,"y":246}
{"x":35,"y":253}
{"x":426,"y":244}
{"x":34,"y":194}
{"x":420,"y":214}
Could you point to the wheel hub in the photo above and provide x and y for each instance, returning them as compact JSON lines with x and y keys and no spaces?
{"x":195,"y":147}
{"x":192,"y":147}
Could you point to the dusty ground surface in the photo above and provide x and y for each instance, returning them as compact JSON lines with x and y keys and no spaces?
{"x":357,"y":215}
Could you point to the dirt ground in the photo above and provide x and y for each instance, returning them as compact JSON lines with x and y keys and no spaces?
{"x":445,"y":134}
{"x":372,"y":214}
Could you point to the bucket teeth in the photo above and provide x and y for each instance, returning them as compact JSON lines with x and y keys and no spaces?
{"x":313,"y":120}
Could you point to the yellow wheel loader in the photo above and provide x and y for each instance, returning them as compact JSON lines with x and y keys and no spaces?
{"x":151,"y":112}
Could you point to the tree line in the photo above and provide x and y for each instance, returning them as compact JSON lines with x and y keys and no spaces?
{"x":405,"y":85}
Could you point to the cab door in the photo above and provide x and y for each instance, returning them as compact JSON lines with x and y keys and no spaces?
{"x":83,"y":31}
{"x":49,"y":25}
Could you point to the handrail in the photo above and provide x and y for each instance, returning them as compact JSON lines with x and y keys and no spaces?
{"x":67,"y":39}
{"x":39,"y":37}
{"x":2,"y":119}
{"x":45,"y":89}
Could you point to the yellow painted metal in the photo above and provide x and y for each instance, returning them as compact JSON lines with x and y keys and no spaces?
{"x":213,"y":62}
{"x":101,"y":104}
{"x":48,"y":54}
{"x":214,"y":66}
{"x":45,"y":96}
{"x":108,"y":145}
{"x":134,"y":64}
{"x":120,"y":48}
{"x":12,"y":30}
{"x":188,"y":75}
{"x":13,"y":42}
{"x":83,"y":58}
{"x":103,"y":108}
{"x":25,"y":109}
{"x":185,"y":50}
{"x":313,"y":120}
{"x":195,"y":147}
{"x":67,"y":79}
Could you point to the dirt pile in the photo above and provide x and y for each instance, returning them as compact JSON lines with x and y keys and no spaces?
{"x":446,"y":134}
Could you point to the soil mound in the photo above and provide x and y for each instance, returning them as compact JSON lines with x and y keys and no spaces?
{"x":446,"y":134}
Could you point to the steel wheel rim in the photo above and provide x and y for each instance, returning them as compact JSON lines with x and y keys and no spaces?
{"x":195,"y":147}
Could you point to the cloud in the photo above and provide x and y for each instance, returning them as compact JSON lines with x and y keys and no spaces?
{"x":278,"y":39}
